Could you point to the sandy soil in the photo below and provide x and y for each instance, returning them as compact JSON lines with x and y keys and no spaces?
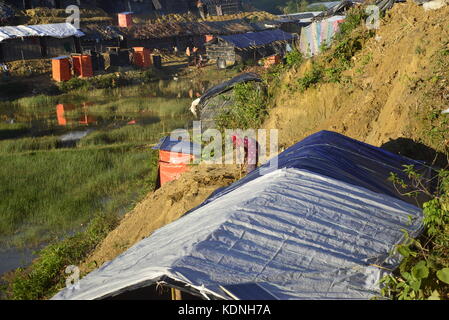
{"x":161,"y":207}
{"x":385,"y":94}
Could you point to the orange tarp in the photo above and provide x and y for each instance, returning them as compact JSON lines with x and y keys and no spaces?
{"x":125,"y":20}
{"x":171,"y":171}
{"x":175,"y":157}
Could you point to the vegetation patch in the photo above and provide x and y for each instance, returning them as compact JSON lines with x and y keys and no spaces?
{"x":47,"y":274}
{"x":424,"y":270}
{"x":249,"y":109}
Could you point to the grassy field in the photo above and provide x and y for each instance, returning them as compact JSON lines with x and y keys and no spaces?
{"x":46,"y":194}
{"x":48,"y":191}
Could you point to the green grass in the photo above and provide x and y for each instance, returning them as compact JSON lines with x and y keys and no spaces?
{"x":47,"y":191}
{"x":55,"y":192}
{"x":47,"y":273}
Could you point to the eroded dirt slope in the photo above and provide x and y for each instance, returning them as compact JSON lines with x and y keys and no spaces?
{"x":161,"y":207}
{"x":389,"y":83}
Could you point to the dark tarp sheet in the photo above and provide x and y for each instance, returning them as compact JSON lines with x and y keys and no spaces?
{"x":227,"y":85}
{"x":342,"y":158}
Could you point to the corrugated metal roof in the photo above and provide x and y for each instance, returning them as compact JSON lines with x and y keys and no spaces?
{"x":257,"y":39}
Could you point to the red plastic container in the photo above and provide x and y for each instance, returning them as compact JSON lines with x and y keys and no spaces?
{"x":125,"y":19}
{"x":61,"y":69}
{"x":82,"y":65}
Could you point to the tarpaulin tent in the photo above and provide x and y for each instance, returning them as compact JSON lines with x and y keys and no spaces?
{"x":257,"y":39}
{"x":321,"y":225}
{"x":37,"y":41}
{"x":56,"y":30}
{"x":249,"y":46}
{"x":317,"y":34}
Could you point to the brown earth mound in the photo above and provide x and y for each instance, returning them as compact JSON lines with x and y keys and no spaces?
{"x":161,"y":207}
{"x":390,"y":80}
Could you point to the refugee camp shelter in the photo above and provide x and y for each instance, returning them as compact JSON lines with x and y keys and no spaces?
{"x":220,"y":98}
{"x":248,"y":46}
{"x":155,"y":7}
{"x":38,"y":41}
{"x":174,"y":158}
{"x":98,"y":37}
{"x":321,"y":224}
{"x":319,"y":33}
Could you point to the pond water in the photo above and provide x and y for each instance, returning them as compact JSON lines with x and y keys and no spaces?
{"x":95,"y":118}
{"x":74,"y":116}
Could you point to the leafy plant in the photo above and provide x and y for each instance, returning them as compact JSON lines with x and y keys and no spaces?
{"x":293,"y":58}
{"x":248,"y":110}
{"x":424,"y":272}
{"x":311,"y":78}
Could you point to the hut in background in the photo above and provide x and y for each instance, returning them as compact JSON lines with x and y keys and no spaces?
{"x":99,"y":37}
{"x":182,"y":34}
{"x":248,"y":46}
{"x":38,"y":41}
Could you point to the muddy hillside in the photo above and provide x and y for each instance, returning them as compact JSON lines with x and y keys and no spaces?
{"x":383,"y":98}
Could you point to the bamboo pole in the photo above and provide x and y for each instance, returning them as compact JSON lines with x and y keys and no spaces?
{"x":176,"y":294}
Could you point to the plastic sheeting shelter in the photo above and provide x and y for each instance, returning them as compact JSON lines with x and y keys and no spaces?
{"x":174,"y":157}
{"x":317,"y":34}
{"x":317,"y":226}
{"x":220,"y":97}
{"x":56,"y":30}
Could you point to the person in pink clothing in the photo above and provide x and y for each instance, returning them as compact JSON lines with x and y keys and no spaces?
{"x":251,"y":148}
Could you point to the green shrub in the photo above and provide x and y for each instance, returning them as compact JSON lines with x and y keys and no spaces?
{"x":293,"y":58}
{"x":424,"y":270}
{"x":74,"y":84}
{"x":311,"y":78}
{"x":249,"y":109}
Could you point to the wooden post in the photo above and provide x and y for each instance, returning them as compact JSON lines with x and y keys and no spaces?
{"x":176,"y":294}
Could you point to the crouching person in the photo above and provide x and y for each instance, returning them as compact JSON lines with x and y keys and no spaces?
{"x":251,"y":150}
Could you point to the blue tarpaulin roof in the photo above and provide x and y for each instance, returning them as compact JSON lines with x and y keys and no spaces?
{"x":321,"y":225}
{"x":257,"y":39}
{"x":167,"y":144}
{"x":342,"y":158}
